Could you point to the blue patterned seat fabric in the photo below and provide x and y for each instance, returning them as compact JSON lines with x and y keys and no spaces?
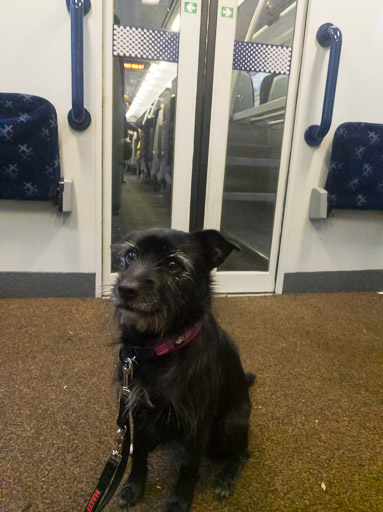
{"x":355,"y":177}
{"x":29,"y":150}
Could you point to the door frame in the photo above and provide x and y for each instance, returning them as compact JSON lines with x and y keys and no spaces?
{"x":99,"y":171}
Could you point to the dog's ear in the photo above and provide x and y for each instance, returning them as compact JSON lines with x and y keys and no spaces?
{"x":216,"y":246}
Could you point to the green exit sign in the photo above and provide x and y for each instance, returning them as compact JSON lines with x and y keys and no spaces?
{"x":191,"y":7}
{"x":227,"y":12}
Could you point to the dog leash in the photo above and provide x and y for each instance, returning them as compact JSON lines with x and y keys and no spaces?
{"x":116,"y":464}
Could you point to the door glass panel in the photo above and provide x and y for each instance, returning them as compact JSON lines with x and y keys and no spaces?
{"x":259,"y":89}
{"x":145,"y":48}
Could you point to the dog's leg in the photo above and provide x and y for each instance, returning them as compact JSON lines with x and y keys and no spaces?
{"x":234,"y":447}
{"x":227,"y":480}
{"x":182,"y":497}
{"x":133,"y":488}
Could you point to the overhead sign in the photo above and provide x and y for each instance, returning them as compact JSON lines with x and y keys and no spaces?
{"x":133,"y":65}
{"x":191,"y":7}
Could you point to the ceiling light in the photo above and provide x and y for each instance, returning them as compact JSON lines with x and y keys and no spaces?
{"x":150,"y":89}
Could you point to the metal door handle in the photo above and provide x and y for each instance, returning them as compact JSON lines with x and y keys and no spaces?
{"x":327,"y":35}
{"x":78,"y":117}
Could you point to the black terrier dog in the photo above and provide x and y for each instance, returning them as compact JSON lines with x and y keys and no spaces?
{"x":189,"y":384}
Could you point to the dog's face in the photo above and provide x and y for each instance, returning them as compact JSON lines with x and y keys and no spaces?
{"x":165,"y":277}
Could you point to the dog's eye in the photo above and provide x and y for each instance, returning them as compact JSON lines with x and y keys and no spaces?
{"x":130,"y":255}
{"x":174,"y":265}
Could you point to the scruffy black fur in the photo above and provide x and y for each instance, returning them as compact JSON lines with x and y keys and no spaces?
{"x":197,"y":395}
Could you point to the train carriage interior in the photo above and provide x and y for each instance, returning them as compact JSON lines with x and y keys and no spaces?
{"x":243,"y":140}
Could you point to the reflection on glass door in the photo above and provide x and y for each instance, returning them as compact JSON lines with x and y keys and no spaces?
{"x":256,"y":124}
{"x":145,"y":49}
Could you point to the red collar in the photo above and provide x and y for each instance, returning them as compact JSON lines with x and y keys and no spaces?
{"x":163,"y":347}
{"x":160,"y":346}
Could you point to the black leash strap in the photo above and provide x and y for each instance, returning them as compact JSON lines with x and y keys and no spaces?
{"x":116,"y":464}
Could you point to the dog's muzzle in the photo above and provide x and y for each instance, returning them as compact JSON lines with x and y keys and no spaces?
{"x":127,"y":292}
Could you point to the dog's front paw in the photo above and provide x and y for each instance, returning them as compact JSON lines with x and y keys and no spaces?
{"x":130,"y":493}
{"x":225,"y":487}
{"x":174,"y":504}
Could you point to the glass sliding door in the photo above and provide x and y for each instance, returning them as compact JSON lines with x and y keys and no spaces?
{"x":248,"y":182}
{"x":153,"y":63}
{"x":258,"y":108}
{"x":145,"y":53}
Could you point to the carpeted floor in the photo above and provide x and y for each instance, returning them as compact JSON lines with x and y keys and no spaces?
{"x":317,"y":405}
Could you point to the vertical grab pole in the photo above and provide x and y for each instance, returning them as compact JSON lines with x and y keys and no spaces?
{"x":78,"y":117}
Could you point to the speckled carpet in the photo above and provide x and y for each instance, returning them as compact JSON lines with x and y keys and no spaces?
{"x":317,"y":405}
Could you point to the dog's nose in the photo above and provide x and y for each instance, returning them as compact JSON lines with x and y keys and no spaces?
{"x":127,"y":292}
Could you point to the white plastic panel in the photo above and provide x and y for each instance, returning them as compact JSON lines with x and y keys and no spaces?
{"x":35,"y":237}
{"x":349,"y":240}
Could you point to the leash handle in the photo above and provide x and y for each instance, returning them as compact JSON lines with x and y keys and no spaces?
{"x":112,"y":474}
{"x":103,"y":483}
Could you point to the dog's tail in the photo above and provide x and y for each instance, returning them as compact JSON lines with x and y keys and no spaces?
{"x":250,"y":378}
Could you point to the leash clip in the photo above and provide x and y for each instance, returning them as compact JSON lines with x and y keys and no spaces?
{"x":127,"y":374}
{"x":120,"y":436}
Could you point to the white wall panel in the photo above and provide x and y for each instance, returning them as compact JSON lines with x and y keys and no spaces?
{"x":351,"y":240}
{"x":35,"y":59}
